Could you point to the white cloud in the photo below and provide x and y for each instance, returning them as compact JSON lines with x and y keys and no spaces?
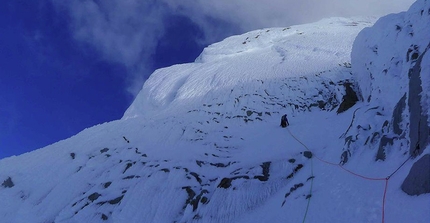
{"x":120,"y":29}
{"x":123,"y":31}
{"x":127,"y":31}
{"x":251,"y":14}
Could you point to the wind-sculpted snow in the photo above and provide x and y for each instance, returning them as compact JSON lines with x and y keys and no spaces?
{"x":267,"y":55}
{"x":202,"y":143}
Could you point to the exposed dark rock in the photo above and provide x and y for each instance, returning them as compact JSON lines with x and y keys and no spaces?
{"x":418,"y":129}
{"x":236,"y":172}
{"x":248,"y":120}
{"x":104,"y":150}
{"x":261,"y":178}
{"x":266,"y":168}
{"x":293,"y":188}
{"x":291,"y":160}
{"x":310,"y":178}
{"x":192,"y":199}
{"x":397,"y":115}
{"x":190,"y":193}
{"x":307,"y":154}
{"x":296,"y":186}
{"x":165,"y":170}
{"x":413,"y":49}
{"x":349,"y":140}
{"x":73,"y":155}
{"x":297,"y":168}
{"x":82,"y":208}
{"x":344,"y":157}
{"x":204,"y":200}
{"x":104,"y":217}
{"x":200,"y":163}
{"x":107,"y":184}
{"x":349,"y":99}
{"x":130,"y":177}
{"x":418,"y":180}
{"x":8,"y":183}
{"x":385,"y":140}
{"x":350,"y":125}
{"x":116,"y":200}
{"x":195,"y":175}
{"x":195,"y":202}
{"x":375,"y":136}
{"x":225,"y":183}
{"x":220,"y":164}
{"x":94,"y":196}
{"x":127,"y":166}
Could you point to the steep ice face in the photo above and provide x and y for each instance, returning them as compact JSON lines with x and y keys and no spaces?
{"x":391,"y":64}
{"x":384,"y":53}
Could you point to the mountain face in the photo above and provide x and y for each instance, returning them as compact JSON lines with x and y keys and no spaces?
{"x":391,"y":65}
{"x":202,"y":141}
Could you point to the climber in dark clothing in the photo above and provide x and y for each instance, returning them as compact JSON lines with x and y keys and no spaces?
{"x":284,"y":121}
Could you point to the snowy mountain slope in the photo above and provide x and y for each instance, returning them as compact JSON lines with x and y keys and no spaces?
{"x":202,"y":143}
{"x":298,"y":52}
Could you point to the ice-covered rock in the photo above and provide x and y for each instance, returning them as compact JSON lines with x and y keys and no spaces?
{"x":418,"y":180}
{"x":391,"y":63}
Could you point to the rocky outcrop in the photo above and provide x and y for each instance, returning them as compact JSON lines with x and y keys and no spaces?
{"x":390,"y":64}
{"x":349,"y":99}
{"x":419,"y":129}
{"x":8,"y":183}
{"x":418,"y":180}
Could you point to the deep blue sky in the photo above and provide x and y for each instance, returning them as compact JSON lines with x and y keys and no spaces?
{"x":52,"y":86}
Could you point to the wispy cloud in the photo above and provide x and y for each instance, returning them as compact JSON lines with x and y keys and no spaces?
{"x":127,"y":31}
{"x":123,"y":31}
{"x":251,"y":14}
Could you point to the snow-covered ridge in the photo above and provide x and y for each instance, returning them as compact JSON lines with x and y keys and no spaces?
{"x":264,"y":55}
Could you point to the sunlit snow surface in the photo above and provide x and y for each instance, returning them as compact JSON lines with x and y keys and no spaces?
{"x":242,"y":62}
{"x":202,"y":143}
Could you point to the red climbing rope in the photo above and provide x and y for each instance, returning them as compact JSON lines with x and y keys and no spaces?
{"x":355,"y":174}
{"x":383,"y":200}
{"x":358,"y":175}
{"x":330,"y":163}
{"x":364,"y":177}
